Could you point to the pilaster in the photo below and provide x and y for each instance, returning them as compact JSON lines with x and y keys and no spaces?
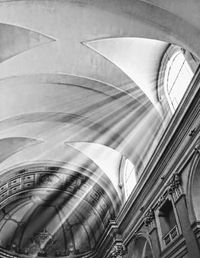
{"x":176,"y":191}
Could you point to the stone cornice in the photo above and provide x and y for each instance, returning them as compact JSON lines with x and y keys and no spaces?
{"x":109,"y":235}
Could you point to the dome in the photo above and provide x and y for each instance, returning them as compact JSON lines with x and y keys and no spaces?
{"x":52,"y":212}
{"x":36,"y":227}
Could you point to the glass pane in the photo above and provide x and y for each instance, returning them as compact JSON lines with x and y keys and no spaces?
{"x":178,"y":77}
{"x":129,"y":178}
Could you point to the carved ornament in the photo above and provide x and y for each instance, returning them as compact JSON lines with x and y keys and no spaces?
{"x":118,"y":251}
{"x":175,"y":188}
{"x":149,"y":217}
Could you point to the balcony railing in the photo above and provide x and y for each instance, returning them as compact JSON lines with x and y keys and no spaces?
{"x":171,"y":235}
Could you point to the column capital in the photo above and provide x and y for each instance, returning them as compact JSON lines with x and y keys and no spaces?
{"x":175,"y":186}
{"x":118,"y":251}
{"x":149,"y":220}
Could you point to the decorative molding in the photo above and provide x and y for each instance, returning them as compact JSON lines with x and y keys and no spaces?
{"x":118,"y":251}
{"x":175,"y":187}
{"x":197,"y":148}
{"x":111,"y":244}
{"x":149,"y":217}
{"x":40,"y":243}
{"x":149,"y":220}
{"x":42,"y":237}
{"x":162,"y":199}
{"x":193,"y":132}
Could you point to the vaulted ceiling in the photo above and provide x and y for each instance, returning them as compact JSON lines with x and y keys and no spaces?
{"x":78,"y":87}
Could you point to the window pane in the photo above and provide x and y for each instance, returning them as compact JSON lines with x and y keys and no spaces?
{"x":177,"y":78}
{"x":129,"y":177}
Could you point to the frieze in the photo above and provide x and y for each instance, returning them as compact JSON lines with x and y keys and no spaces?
{"x":42,"y":180}
{"x":70,"y":184}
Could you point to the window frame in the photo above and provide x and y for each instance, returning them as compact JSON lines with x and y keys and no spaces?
{"x":159,"y":226}
{"x":162,"y":94}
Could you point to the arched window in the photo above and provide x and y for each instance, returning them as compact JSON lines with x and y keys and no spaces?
{"x":178,"y":75}
{"x":176,"y":71}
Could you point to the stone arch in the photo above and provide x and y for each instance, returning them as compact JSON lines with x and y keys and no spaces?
{"x":140,"y":246}
{"x":193,"y":189}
